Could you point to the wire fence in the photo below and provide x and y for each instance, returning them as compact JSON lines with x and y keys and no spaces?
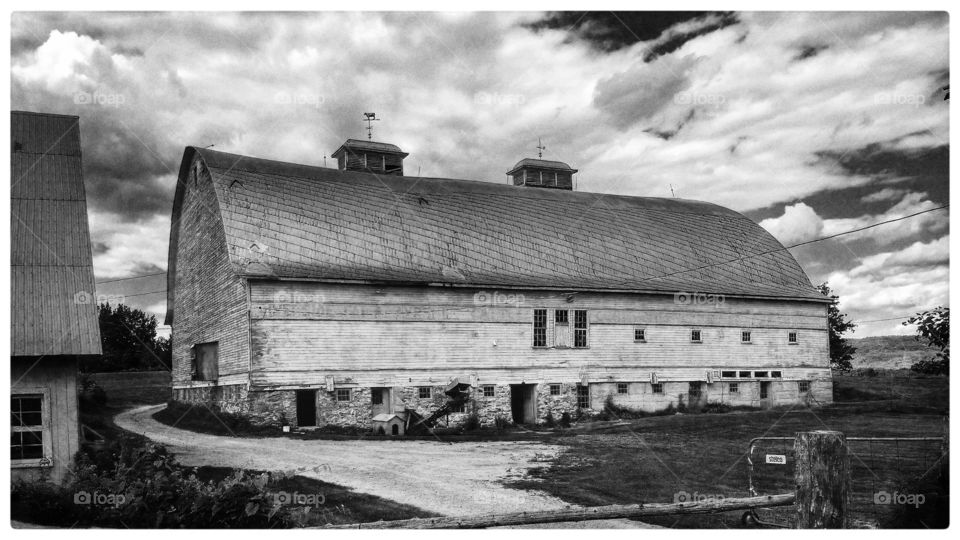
{"x":894,"y":480}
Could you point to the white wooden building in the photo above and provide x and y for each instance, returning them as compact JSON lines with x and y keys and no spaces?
{"x":316,"y":296}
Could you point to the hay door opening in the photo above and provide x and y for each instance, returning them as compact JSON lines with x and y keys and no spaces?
{"x":306,"y":408}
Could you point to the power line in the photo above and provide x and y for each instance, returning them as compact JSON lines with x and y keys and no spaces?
{"x":131,"y":277}
{"x":901,"y":218}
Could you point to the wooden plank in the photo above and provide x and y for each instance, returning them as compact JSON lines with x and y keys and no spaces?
{"x":823,"y":480}
{"x":632,"y":511}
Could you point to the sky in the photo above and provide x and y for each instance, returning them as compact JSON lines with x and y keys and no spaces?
{"x":812,"y":124}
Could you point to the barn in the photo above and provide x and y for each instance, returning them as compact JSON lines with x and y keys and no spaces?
{"x":53,"y":312}
{"x":310,"y":296}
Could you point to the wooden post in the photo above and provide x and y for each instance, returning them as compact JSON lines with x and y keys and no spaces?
{"x":823,"y":480}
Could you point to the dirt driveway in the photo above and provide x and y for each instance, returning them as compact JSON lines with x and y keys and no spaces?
{"x":451,"y":479}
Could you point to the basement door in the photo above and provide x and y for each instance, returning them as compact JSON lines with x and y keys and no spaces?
{"x":306,"y":408}
{"x":523,"y":403}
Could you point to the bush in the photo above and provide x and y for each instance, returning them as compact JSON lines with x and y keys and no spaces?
{"x":92,"y":396}
{"x":501,"y":422}
{"x":472,"y":423}
{"x":550,"y":421}
{"x":565,"y":420}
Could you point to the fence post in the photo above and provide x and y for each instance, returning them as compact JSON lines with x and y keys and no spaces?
{"x":823,"y":480}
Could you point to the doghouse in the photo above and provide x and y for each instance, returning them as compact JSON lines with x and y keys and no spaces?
{"x":389,"y":424}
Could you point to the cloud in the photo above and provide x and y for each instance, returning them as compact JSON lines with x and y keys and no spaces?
{"x":798,"y":223}
{"x":929,"y":223}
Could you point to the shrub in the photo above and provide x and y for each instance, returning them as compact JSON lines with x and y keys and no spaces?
{"x":565,"y":419}
{"x":501,"y":422}
{"x":550,"y":421}
{"x":472,"y":422}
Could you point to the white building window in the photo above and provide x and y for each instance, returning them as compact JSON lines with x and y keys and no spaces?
{"x":745,"y":336}
{"x":30,"y":443}
{"x":695,"y":336}
{"x":623,"y":388}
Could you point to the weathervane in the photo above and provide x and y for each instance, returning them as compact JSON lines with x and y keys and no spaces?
{"x":540,"y":147}
{"x":369,"y":118}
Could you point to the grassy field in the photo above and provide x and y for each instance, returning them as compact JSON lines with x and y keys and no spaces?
{"x":889,"y":352}
{"x":655,"y":459}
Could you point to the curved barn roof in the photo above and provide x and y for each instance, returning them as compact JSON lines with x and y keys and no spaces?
{"x":288,"y":221}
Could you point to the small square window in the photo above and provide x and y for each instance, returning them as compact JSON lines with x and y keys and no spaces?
{"x":561,"y":317}
{"x":745,"y":336}
{"x":792,"y":337}
{"x":760,"y":374}
{"x":694,"y":389}
{"x":728,"y":374}
{"x":657,"y":388}
{"x":554,"y":389}
{"x":734,"y":388}
{"x":639,"y":334}
{"x":424,"y":392}
{"x":622,"y":388}
{"x":343,"y":394}
{"x":489,"y":390}
{"x":803,"y":386}
{"x":776,"y":374}
{"x":695,"y":336}
{"x":744,"y":374}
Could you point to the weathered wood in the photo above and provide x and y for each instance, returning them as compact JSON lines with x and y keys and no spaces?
{"x":579,"y":514}
{"x":823,"y":480}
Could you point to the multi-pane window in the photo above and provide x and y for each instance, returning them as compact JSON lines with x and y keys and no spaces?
{"x":657,"y":388}
{"x":622,"y":388}
{"x":792,"y":337}
{"x":694,"y":389}
{"x":554,"y":389}
{"x":583,"y":396}
{"x":424,"y":392}
{"x":734,"y":388}
{"x":343,"y":394}
{"x":745,"y":336}
{"x":539,"y":328}
{"x":639,"y":334}
{"x":695,"y":336}
{"x":760,"y":374}
{"x":726,"y":374}
{"x":579,"y":328}
{"x":26,"y":424}
{"x":776,"y":374}
{"x":744,"y":374}
{"x":803,"y":386}
{"x":489,"y":390}
{"x":376,"y":396}
{"x":561,"y":316}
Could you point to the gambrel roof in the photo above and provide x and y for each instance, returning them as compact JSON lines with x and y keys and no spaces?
{"x":53,"y":305}
{"x":288,"y":221}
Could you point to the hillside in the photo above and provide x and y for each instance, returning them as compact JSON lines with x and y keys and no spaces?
{"x":889,"y":352}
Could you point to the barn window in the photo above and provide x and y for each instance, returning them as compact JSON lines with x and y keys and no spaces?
{"x":726,"y":374}
{"x":622,"y":388}
{"x":657,"y":388}
{"x":204,"y":363}
{"x":744,"y":374}
{"x":745,"y":336}
{"x":539,"y":328}
{"x":764,"y":390}
{"x":734,"y":388}
{"x":695,"y":336}
{"x":343,"y":394}
{"x":561,"y":316}
{"x":776,"y":374}
{"x":694,"y":389}
{"x":583,"y":396}
{"x":639,"y":334}
{"x":792,"y":337}
{"x":803,"y":386}
{"x":27,"y":426}
{"x":424,"y":392}
{"x":579,"y":328}
{"x":554,"y":389}
{"x":376,"y":396}
{"x":760,"y":374}
{"x":489,"y":390}
{"x":461,"y":407}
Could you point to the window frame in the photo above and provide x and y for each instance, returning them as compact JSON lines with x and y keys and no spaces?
{"x":761,"y":374}
{"x":428,"y":390}
{"x":733,"y":388}
{"x":557,"y":387}
{"x":744,"y":374}
{"x":801,"y":385}
{"x":46,"y":460}
{"x":491,"y":387}
{"x":793,"y":337}
{"x":696,"y":335}
{"x":565,"y":319}
{"x":349,"y":394}
{"x":540,"y":330}
{"x":581,"y":328}
{"x":376,"y":396}
{"x":623,"y":388}
{"x":639,"y":335}
{"x":746,"y":336}
{"x":656,"y":388}
{"x":583,"y":396}
{"x":776,"y":374}
{"x":728,"y":374}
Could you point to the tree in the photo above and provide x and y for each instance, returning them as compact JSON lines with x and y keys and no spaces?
{"x":841,"y":352}
{"x":934,"y":326}
{"x":130,"y":342}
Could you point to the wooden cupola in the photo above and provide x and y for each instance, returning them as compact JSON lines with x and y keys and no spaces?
{"x":542,"y":173}
{"x":370,"y":156}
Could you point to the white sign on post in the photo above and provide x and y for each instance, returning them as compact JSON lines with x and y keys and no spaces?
{"x":775,"y":459}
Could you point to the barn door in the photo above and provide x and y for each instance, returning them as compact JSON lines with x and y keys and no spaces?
{"x":306,"y":408}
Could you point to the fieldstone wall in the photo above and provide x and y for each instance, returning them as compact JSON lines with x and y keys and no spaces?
{"x":357,"y":412}
{"x":546,"y":403}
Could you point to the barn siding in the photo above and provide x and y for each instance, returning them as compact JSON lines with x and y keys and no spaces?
{"x":57,"y":376}
{"x":209,"y":299}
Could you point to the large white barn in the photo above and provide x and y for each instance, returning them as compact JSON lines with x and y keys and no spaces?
{"x":313,"y":296}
